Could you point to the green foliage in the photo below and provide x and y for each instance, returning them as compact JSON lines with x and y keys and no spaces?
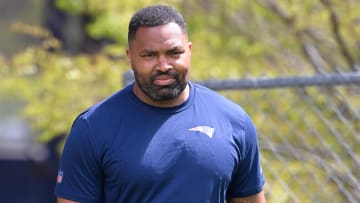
{"x":110,"y":19}
{"x":231,"y":39}
{"x":56,"y":87}
{"x":76,"y":6}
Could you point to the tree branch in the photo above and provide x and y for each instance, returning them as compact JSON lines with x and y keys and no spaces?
{"x":309,"y":50}
{"x":334,"y":20}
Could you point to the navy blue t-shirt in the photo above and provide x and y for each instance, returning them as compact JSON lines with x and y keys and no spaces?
{"x":123,"y":150}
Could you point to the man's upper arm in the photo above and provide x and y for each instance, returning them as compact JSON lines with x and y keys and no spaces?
{"x":61,"y":200}
{"x":257,"y":198}
{"x":80,"y":175}
{"x":248,"y":178}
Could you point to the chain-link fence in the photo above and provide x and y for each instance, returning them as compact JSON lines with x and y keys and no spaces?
{"x":309,"y":134}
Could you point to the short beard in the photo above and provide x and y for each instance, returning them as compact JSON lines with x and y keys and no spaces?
{"x":164,"y":93}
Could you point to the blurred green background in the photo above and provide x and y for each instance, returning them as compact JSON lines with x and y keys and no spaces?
{"x":59,"y":57}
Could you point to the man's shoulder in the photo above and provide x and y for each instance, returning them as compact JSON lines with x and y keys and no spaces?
{"x":217,"y":102}
{"x":214,"y":97}
{"x":116,"y":102}
{"x":203,"y":91}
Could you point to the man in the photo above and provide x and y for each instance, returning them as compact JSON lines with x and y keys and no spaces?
{"x":162,"y":138}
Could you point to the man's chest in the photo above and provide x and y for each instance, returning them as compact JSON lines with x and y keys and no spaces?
{"x":156,"y":151}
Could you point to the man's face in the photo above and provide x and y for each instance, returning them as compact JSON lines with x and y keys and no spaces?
{"x":160,"y":58}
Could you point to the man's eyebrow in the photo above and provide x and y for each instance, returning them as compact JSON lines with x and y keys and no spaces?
{"x":176,"y":48}
{"x":147,"y":51}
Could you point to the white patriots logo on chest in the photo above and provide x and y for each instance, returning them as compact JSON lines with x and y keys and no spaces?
{"x":209,"y":131}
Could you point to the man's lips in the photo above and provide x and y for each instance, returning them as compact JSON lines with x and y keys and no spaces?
{"x":164,"y":80}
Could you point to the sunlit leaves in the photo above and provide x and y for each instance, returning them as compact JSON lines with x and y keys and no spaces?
{"x":57,"y":87}
{"x":231,"y":39}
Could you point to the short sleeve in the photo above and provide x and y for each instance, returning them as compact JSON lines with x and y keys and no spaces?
{"x":248,"y":178}
{"x":80,"y":175}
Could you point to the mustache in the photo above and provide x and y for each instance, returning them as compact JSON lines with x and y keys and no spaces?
{"x":170,"y":73}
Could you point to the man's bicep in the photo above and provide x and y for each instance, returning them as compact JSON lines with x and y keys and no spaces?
{"x":248,"y":178}
{"x":257,"y":198}
{"x":61,"y":200}
{"x":80,"y":173}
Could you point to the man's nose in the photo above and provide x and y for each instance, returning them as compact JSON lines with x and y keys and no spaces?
{"x":163,"y":64}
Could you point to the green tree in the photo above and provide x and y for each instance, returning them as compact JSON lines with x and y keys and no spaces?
{"x":56,"y":86}
{"x":231,"y":39}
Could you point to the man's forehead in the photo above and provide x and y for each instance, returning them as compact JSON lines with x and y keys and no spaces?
{"x":168,"y":43}
{"x":170,"y":29}
{"x":165,"y":48}
{"x":163,"y":36}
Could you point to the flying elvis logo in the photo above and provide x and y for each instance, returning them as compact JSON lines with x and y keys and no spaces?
{"x":209,"y":131}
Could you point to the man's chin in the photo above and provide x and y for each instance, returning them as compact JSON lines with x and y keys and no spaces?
{"x":164,"y":92}
{"x":165,"y":96}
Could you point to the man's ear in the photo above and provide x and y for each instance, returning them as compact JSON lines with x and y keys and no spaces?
{"x":128,"y":53}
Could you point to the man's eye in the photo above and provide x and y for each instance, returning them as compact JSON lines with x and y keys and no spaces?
{"x":148,"y":55}
{"x":176,"y":53}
